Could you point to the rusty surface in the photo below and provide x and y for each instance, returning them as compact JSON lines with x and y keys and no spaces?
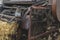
{"x":43,"y":34}
{"x":29,"y":31}
{"x":30,"y":37}
{"x":38,"y":7}
{"x":27,"y":24}
{"x":54,"y":8}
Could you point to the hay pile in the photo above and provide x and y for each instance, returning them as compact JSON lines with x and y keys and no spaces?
{"x":7,"y":29}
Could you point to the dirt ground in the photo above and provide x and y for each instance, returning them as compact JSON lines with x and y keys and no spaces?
{"x":57,"y":38}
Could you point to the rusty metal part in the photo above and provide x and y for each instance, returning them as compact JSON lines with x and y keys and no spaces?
{"x":38,"y":7}
{"x":34,"y":7}
{"x":26,"y":22}
{"x":29,"y":9}
{"x":54,"y":8}
{"x":29,"y":31}
{"x":44,"y":34}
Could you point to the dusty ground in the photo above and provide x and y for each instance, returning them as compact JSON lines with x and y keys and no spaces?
{"x":57,"y":38}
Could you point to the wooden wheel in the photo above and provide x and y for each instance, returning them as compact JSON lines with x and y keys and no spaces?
{"x":54,"y":8}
